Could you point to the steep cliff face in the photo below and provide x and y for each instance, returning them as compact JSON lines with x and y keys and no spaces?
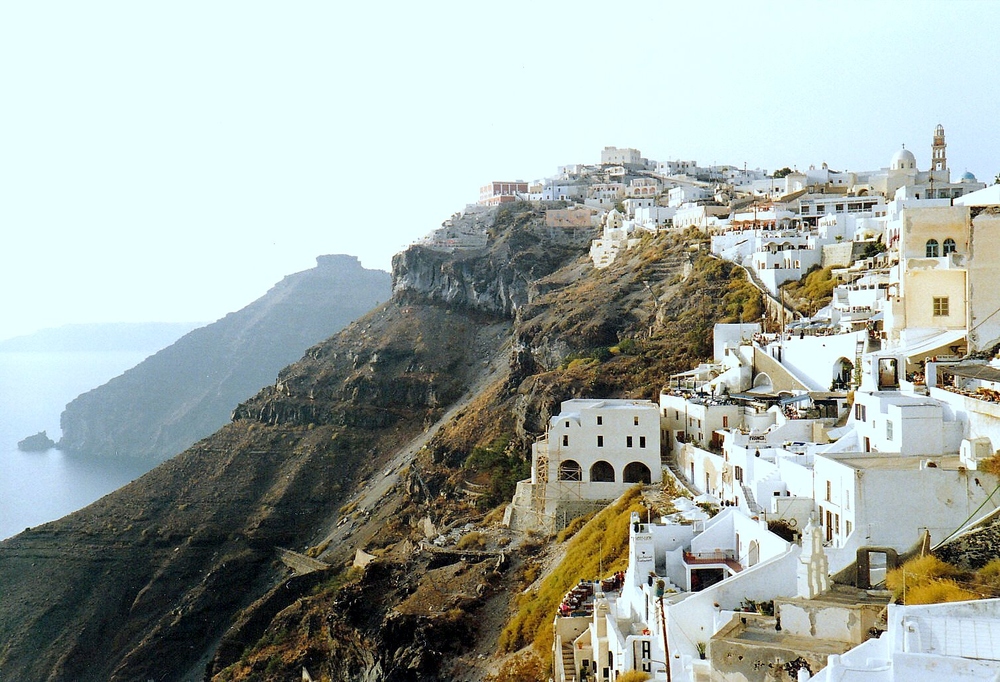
{"x":497,"y":279}
{"x":174,"y":576}
{"x":189,"y":389}
{"x":136,"y":585}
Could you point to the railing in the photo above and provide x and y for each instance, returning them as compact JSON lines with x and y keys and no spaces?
{"x":726,"y":557}
{"x":709,"y":557}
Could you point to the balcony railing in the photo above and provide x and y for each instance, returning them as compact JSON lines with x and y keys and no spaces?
{"x":726,"y":557}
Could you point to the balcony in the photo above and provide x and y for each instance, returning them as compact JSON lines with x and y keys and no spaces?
{"x":726,"y":558}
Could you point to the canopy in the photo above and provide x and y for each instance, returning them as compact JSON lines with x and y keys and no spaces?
{"x":922,"y":349}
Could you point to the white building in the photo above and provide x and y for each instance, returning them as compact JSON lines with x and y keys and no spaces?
{"x":958,"y":642}
{"x":563,"y":191}
{"x":626,"y":157}
{"x":618,"y":234}
{"x":654,"y":218}
{"x":593,"y":451}
{"x":703,"y":218}
{"x":684,"y":194}
{"x":857,"y":301}
{"x":689,"y":577}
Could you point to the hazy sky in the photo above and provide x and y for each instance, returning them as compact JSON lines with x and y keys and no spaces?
{"x":171,"y":161}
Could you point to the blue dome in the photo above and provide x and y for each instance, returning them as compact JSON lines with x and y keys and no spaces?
{"x":967,"y":176}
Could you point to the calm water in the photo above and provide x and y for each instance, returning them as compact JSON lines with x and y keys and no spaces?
{"x":36,"y":487}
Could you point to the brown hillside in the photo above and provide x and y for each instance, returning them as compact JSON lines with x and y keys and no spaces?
{"x":175,"y":576}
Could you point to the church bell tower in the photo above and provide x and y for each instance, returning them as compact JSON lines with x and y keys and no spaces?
{"x":939,"y":161}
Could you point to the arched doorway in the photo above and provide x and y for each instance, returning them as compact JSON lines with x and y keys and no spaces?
{"x":763,"y":381}
{"x":636,"y":472}
{"x":602,"y":472}
{"x":842,"y":371}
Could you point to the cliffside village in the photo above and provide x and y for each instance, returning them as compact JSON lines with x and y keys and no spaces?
{"x":828,"y":448}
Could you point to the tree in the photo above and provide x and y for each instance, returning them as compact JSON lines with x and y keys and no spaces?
{"x":782,"y":172}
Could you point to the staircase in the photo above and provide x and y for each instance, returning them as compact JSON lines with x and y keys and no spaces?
{"x":751,"y":502}
{"x":569,"y":668}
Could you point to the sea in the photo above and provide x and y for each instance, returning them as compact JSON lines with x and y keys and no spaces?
{"x":37,"y":487}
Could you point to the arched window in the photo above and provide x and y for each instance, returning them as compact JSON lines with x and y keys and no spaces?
{"x":932,"y":248}
{"x":570,"y":470}
{"x":636,"y":472}
{"x":949,"y":246}
{"x":602,"y":472}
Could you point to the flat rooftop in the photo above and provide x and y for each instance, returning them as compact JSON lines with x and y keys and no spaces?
{"x":869,"y":461}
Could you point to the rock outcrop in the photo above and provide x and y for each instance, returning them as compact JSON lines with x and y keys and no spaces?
{"x":189,"y":389}
{"x":40,"y":442}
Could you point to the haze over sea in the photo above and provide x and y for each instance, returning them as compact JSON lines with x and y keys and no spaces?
{"x":36,"y":487}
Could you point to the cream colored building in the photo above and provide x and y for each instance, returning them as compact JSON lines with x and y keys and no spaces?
{"x":593,"y":451}
{"x":945,"y":279}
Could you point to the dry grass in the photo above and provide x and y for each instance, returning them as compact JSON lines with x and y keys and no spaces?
{"x":526,"y":667}
{"x":928,"y":580}
{"x":472,"y":540}
{"x":918,"y":571}
{"x":632,"y":676}
{"x":938,"y":592}
{"x":599,"y":549}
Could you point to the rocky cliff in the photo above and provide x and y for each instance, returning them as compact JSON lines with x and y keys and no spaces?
{"x":412,"y":421}
{"x":189,"y":389}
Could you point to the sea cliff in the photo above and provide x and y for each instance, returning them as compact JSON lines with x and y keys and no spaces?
{"x":188,"y":390}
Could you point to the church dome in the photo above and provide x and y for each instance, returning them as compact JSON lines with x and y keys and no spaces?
{"x":967,"y":176}
{"x":903,"y":160}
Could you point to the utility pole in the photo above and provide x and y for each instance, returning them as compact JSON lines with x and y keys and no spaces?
{"x":666,"y":647}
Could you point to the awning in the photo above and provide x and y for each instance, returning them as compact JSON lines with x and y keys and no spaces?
{"x":924,"y":348}
{"x":789,"y":399}
{"x":690,"y":373}
{"x":983,"y":372}
{"x":753,"y":396}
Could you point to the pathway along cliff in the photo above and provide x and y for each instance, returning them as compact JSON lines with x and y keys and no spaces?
{"x":137,"y":585}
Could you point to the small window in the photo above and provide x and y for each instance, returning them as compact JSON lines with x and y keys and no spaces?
{"x":828,"y":491}
{"x":642,"y":441}
{"x":600,"y":441}
{"x":628,"y":441}
{"x":739,"y":474}
{"x":635,"y":421}
{"x":941,"y":306}
{"x":932,"y":248}
{"x":888,"y":430}
{"x":565,"y":441}
{"x":948,"y":246}
{"x":600,"y":420}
